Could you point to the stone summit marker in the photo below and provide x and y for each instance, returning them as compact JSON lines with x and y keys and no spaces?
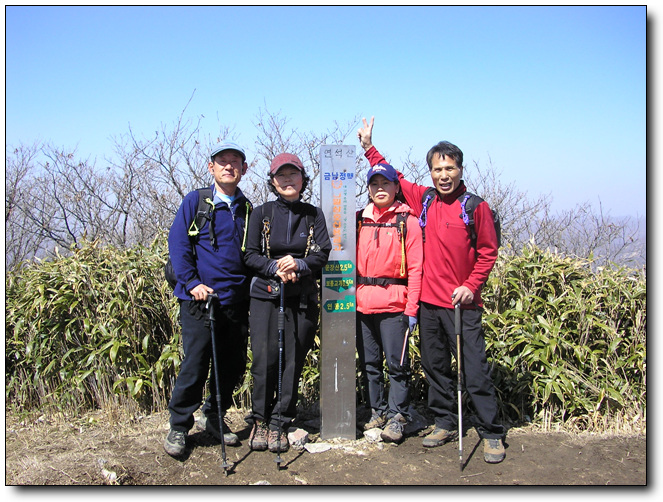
{"x":337,"y":338}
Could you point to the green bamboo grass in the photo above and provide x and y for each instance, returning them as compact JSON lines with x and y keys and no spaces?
{"x":100,"y":328}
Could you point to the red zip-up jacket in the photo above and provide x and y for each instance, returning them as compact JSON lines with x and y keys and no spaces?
{"x":380,"y":254}
{"x":450,"y":259}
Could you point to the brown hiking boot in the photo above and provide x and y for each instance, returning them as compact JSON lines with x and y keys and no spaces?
{"x":439,"y":436}
{"x":376,"y":421}
{"x":274,"y":440}
{"x":393,"y":432}
{"x":493,"y":451}
{"x":258,"y":437}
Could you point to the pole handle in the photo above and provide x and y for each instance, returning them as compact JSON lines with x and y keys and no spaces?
{"x":208,"y":305}
{"x":457,"y":315}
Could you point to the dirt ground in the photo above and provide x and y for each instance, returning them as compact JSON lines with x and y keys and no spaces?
{"x":92,"y":451}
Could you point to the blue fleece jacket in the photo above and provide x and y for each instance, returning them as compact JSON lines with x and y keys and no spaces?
{"x":219,"y":266}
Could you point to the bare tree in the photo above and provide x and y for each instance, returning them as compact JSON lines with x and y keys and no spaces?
{"x":62,"y":199}
{"x":274,"y":137}
{"x":154,"y":175}
{"x":583,"y":231}
{"x":21,"y":242}
{"x":54,"y":199}
{"x":518,"y":212}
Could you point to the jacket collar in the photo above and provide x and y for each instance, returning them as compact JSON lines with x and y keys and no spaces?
{"x":290,"y":204}
{"x":395,"y":208}
{"x":236,"y":198}
{"x":448,"y":199}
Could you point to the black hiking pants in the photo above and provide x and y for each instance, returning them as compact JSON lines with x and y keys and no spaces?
{"x":300,"y":326}
{"x":438,"y":343}
{"x":231,"y":331}
{"x":380,"y":339}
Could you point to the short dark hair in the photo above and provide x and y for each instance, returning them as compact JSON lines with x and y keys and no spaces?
{"x":305,"y":182}
{"x":445,"y":149}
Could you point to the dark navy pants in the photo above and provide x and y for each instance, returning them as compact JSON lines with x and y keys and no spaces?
{"x":231,"y":331}
{"x":438,"y":343}
{"x":380,"y":337}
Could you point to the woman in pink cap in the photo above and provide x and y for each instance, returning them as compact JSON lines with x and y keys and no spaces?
{"x":287,"y":247}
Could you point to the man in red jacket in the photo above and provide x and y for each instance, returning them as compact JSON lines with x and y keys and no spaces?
{"x":454,"y":270}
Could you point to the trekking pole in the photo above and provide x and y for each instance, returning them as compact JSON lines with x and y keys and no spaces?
{"x":281,"y":325}
{"x":210,"y":309}
{"x":407,"y":332}
{"x":459,"y":358}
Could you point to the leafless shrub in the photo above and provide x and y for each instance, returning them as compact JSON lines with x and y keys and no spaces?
{"x":53,"y":198}
{"x":21,"y":242}
{"x":582,"y":232}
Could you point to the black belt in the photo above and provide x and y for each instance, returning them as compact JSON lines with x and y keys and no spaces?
{"x":380,"y":281}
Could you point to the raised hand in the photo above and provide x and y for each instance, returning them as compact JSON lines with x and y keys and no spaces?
{"x":365,"y":134}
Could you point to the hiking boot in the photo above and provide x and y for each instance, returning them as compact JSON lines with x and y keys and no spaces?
{"x":439,"y":436}
{"x":377,"y":421}
{"x":258,"y":437}
{"x":211,"y":424}
{"x":175,"y":443}
{"x":493,"y":451}
{"x":393,"y":432}
{"x":274,"y":439}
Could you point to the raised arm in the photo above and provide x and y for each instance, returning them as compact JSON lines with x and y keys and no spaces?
{"x":411,"y":191}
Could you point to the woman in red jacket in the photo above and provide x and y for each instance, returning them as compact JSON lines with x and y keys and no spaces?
{"x":389,"y":266}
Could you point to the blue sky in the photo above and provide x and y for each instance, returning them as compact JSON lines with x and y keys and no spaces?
{"x":555,"y":97}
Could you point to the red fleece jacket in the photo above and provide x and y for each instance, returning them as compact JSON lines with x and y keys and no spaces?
{"x":450,"y":260}
{"x":380,"y":254}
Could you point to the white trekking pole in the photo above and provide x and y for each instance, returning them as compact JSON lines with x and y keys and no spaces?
{"x":459,"y":358}
{"x":407,"y":332}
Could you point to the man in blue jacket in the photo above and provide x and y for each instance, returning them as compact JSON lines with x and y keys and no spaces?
{"x":210,"y":263}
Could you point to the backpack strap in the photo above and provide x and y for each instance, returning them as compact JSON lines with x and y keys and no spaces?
{"x":248,"y":209}
{"x":467,"y":207}
{"x":266,"y":228}
{"x":401,"y":220}
{"x":311,"y":245}
{"x":204,"y":213}
{"x":401,"y":227}
{"x":426,"y":198}
{"x":468,"y":203}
